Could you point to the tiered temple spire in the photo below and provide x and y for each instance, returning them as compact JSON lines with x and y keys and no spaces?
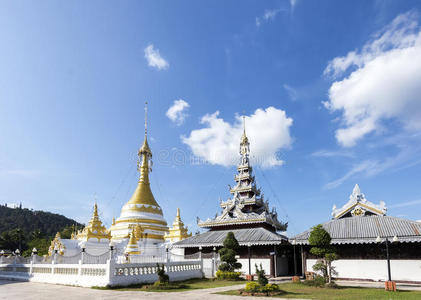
{"x":178,"y":231}
{"x":142,"y":207}
{"x":247,"y":205}
{"x":132,"y":247}
{"x":95,"y":229}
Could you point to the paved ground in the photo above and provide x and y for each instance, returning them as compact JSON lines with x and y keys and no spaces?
{"x":31,"y":290}
{"x":370,"y":284}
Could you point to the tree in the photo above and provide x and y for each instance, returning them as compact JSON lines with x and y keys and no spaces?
{"x":228,"y":254}
{"x":320,"y":240}
{"x":40,"y":244}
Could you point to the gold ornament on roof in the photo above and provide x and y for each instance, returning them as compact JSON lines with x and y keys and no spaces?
{"x":56,"y":244}
{"x":178,"y":232}
{"x":95,"y":229}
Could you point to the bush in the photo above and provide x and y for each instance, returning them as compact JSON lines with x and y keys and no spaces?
{"x":162,"y":277}
{"x":252,"y":286}
{"x":158,"y":285}
{"x":224,"y":275}
{"x":271,"y":287}
{"x":332,"y":285}
{"x":318,"y":281}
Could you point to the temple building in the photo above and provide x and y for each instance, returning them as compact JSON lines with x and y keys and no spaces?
{"x":359,"y":231}
{"x":248,"y":216}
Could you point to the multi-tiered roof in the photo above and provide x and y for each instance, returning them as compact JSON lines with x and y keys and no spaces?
{"x":246,"y":213}
{"x":247,"y":205}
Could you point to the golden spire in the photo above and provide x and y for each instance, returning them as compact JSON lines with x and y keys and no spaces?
{"x":94,"y":229}
{"x":178,"y":231}
{"x":95,"y":215}
{"x":132,"y":247}
{"x":143,"y":193}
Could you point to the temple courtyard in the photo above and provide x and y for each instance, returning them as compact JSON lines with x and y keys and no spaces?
{"x":348,"y":290}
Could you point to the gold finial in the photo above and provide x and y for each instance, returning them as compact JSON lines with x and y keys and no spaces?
{"x":244,"y":139}
{"x":178,"y":212}
{"x":95,"y":209}
{"x":146,"y":119}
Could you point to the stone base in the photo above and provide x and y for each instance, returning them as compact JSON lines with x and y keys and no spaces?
{"x":390,"y":286}
{"x":295,"y":278}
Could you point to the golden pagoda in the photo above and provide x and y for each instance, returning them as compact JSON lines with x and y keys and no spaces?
{"x":94,"y":230}
{"x":141,"y":211}
{"x":56,"y":244}
{"x":178,"y":232}
{"x":132,"y":247}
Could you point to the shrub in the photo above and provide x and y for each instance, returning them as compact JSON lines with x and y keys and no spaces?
{"x":261,"y":278}
{"x":268,"y":289}
{"x":332,"y":285}
{"x":318,"y":281}
{"x":224,"y":275}
{"x":165,"y":286}
{"x":162,"y":277}
{"x":271,"y":287}
{"x":252,"y":286}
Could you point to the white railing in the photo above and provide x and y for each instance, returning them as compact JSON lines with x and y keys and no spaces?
{"x":88,"y":270}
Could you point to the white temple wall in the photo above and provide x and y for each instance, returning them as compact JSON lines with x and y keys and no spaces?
{"x":374,"y":269}
{"x":253,"y":261}
{"x":209,"y":268}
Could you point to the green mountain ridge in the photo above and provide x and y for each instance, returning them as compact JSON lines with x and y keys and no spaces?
{"x":22,"y":228}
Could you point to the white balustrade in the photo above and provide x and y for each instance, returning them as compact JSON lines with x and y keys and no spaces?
{"x":85,"y":269}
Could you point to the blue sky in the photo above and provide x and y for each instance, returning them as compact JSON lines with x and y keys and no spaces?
{"x":330,"y":91}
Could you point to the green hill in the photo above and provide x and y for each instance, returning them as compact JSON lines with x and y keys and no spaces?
{"x":23,"y":228}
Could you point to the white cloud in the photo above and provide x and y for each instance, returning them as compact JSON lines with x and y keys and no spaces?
{"x":292,"y":93}
{"x":405,"y":204}
{"x":357,"y":169}
{"x":408,"y":155}
{"x":177,"y":112}
{"x":384,"y":82}
{"x":154,"y":59}
{"x":218,"y":143}
{"x":269,"y":15}
{"x":19,"y":172}
{"x":328,"y":153}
